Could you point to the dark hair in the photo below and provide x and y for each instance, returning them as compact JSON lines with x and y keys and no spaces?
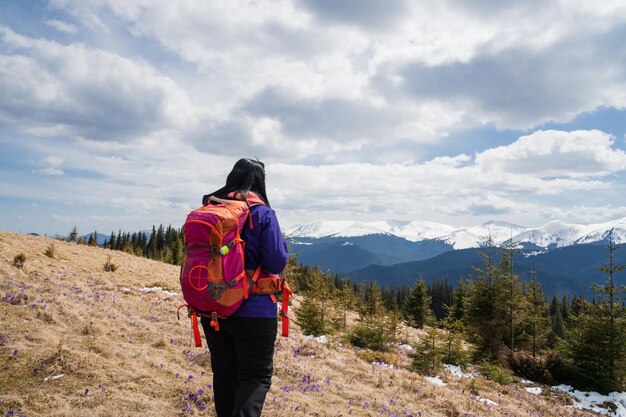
{"x":246,"y":175}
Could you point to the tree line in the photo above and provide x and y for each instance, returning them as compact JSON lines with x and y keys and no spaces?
{"x":162,"y":243}
{"x":507,"y":322}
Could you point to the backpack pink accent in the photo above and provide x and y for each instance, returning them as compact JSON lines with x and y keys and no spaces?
{"x":212,"y":275}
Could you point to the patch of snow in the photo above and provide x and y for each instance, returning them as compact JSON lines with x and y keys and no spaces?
{"x":435,"y":380}
{"x":534,"y":253}
{"x":319,"y":339}
{"x":146,"y":290}
{"x":383,"y":364}
{"x":295,"y":242}
{"x":406,"y":347}
{"x":347,"y":244}
{"x":592,"y":400}
{"x":486,"y":401}
{"x":534,"y":390}
{"x":53,"y":378}
{"x":457,"y":371}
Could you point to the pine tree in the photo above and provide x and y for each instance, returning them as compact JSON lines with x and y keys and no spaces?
{"x":347,"y":300}
{"x":565,"y":310}
{"x":558,"y":329}
{"x":577,"y":305}
{"x":417,"y":306}
{"x":372,"y":329}
{"x":440,"y":293}
{"x":395,"y":318}
{"x":152,"y":244}
{"x":73,"y":236}
{"x":485,"y":319}
{"x":538,"y":319}
{"x":596,"y":344}
{"x":428,"y":353}
{"x":452,"y":340}
{"x":459,"y":301}
{"x":316,"y":314}
{"x":510,"y":295}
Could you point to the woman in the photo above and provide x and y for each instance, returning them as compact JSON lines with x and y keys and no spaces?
{"x":242,"y":350}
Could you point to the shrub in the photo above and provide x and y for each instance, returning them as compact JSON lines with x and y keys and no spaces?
{"x":368,"y":335}
{"x":19,"y":260}
{"x":427,"y":354}
{"x":109,"y":266}
{"x":381,"y":358}
{"x":495,"y":373}
{"x":310,"y":317}
{"x":528,"y":367}
{"x":50,"y":250}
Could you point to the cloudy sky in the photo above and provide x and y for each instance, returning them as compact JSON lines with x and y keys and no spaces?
{"x":120,"y":114}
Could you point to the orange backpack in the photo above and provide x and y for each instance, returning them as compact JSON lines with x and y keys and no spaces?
{"x":212,"y":277}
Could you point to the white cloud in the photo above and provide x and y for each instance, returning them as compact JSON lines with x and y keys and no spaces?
{"x":350,"y":108}
{"x":54,"y":89}
{"x":50,"y":171}
{"x":61,"y":26}
{"x":348,"y":78}
{"x":523,"y":179}
{"x":577,"y":154}
{"x":53,"y":160}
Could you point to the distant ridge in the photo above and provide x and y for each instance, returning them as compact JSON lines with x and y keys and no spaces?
{"x":550,"y":235}
{"x":396,"y":254}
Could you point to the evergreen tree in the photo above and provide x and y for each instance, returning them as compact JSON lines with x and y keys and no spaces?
{"x":565,"y":309}
{"x":485,"y":319}
{"x":440,"y":293}
{"x":596,"y":345}
{"x":118,"y":241}
{"x":111,"y":242}
{"x":177,"y":251}
{"x":417,"y":306}
{"x":558,"y":329}
{"x":577,"y":305}
{"x":428,"y":353}
{"x":316,"y":314}
{"x":347,"y":300}
{"x":459,"y":301}
{"x":538,"y":323}
{"x":152,"y":244}
{"x":73,"y":236}
{"x":510,"y":295}
{"x":395,"y":318}
{"x":452,"y":341}
{"x":372,"y":329}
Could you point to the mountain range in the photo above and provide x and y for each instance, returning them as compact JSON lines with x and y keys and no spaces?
{"x":565,"y":255}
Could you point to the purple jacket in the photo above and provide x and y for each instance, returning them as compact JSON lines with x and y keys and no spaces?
{"x":265,"y":246}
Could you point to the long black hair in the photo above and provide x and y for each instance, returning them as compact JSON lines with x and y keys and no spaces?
{"x":246,"y":175}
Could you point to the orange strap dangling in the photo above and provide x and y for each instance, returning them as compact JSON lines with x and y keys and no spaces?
{"x":284,"y":310}
{"x":196,"y":331}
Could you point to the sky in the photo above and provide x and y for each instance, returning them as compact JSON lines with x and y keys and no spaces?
{"x":121,"y":114}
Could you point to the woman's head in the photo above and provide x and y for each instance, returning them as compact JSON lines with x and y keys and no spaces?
{"x":247,"y":175}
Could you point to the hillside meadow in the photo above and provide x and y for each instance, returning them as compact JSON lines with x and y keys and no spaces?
{"x":76,"y":340}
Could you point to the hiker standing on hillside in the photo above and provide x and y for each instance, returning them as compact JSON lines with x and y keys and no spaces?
{"x":242,"y":350}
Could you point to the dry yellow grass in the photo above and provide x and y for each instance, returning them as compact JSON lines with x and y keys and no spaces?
{"x":122,"y":352}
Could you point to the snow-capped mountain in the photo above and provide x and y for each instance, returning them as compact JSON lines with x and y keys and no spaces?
{"x":395,"y":253}
{"x":551,"y":235}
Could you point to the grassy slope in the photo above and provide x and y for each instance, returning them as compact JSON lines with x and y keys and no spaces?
{"x":67,"y":316}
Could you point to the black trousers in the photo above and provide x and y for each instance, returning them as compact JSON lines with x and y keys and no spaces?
{"x":242,"y":358}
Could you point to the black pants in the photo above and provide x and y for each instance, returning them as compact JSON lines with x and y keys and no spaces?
{"x":242,"y":358}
